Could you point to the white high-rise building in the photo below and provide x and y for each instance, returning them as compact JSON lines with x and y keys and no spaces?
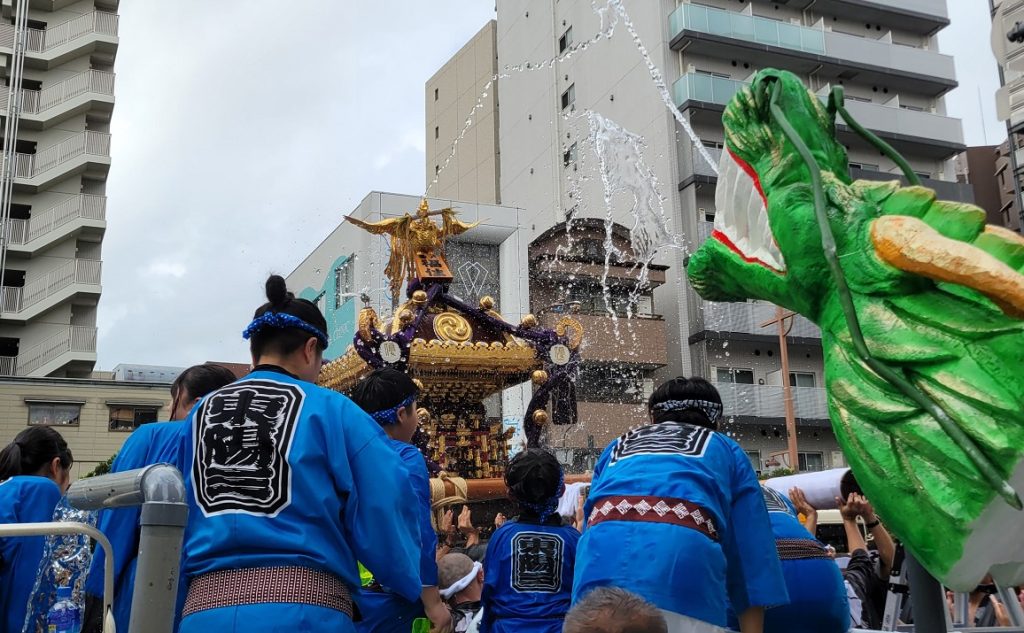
{"x":883,"y":52}
{"x":58,"y":61}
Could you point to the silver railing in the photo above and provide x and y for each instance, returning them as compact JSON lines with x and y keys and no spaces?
{"x":74,"y":339}
{"x":83,"y":206}
{"x":76,"y":271}
{"x":38,"y":101}
{"x":40,"y":40}
{"x":767,"y":401}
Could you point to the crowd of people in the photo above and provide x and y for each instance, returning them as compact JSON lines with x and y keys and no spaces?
{"x":310,"y":510}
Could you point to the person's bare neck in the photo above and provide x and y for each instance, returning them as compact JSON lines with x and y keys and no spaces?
{"x":469,"y":594}
{"x":286,"y":363}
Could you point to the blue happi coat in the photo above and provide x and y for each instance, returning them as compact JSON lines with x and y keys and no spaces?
{"x":155,"y":443}
{"x":23,"y":499}
{"x":678,"y":568}
{"x":281,"y":472}
{"x":385,"y":611}
{"x":817,"y":595}
{"x":528,"y":576}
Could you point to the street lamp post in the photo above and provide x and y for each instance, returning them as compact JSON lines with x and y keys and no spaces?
{"x":787,"y":391}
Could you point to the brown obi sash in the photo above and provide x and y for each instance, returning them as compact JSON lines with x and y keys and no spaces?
{"x":260,"y":585}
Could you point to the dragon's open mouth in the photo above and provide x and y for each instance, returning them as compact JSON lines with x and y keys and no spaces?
{"x":741,"y":215}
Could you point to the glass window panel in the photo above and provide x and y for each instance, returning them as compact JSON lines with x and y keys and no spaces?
{"x":801,"y":379}
{"x":811,"y":461}
{"x":54,"y":414}
{"x":766,"y":32}
{"x":697,"y":18}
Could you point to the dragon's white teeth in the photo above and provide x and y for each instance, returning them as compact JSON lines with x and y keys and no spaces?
{"x":741,"y":215}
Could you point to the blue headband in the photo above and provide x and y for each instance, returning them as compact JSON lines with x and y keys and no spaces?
{"x":711,"y":409}
{"x":390,"y":416}
{"x":546,"y":508}
{"x":283,"y":320}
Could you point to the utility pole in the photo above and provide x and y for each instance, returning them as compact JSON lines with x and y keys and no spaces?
{"x":780,"y":319}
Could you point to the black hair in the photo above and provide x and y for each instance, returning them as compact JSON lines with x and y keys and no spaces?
{"x":682,"y":388}
{"x":284,"y":341}
{"x":848,"y":484}
{"x":383,"y":389}
{"x":532,"y":478}
{"x":32,"y":450}
{"x":199,"y":380}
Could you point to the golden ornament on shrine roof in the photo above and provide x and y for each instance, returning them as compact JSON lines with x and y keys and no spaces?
{"x":540,"y":417}
{"x":529,"y":321}
{"x":419,"y":297}
{"x":487,"y":302}
{"x":539,"y":377}
{"x":405,"y":317}
{"x":418,"y":383}
{"x":451,"y":326}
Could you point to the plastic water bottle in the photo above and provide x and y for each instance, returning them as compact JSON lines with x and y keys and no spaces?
{"x":64,"y":616}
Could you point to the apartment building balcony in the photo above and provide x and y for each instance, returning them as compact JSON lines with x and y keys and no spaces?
{"x":77,"y":279}
{"x":598,"y":424}
{"x":746,"y":318}
{"x":78,"y":215}
{"x":766,"y":404}
{"x":924,"y":133}
{"x":639,"y":340}
{"x":921,"y":17}
{"x":805,"y":49}
{"x":74,"y":346}
{"x":92,"y":33}
{"x":7,"y":6}
{"x":87,"y":152}
{"x":91,"y":91}
{"x":944,"y":189}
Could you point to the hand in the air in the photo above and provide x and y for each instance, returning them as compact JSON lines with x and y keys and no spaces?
{"x":800,"y":502}
{"x":499,"y":520}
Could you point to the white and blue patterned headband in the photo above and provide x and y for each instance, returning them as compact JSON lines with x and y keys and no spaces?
{"x":283,"y":320}
{"x":711,"y":409}
{"x":390,"y":416}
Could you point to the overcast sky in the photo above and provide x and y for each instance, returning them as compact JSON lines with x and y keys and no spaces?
{"x":244,"y":130}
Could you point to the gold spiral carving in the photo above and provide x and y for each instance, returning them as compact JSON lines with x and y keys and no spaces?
{"x":569,"y":323}
{"x":449,"y":326}
{"x":367,"y":322}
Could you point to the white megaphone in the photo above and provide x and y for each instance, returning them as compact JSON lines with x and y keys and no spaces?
{"x":820,"y":488}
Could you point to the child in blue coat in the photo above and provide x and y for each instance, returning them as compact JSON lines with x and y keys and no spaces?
{"x":35,"y":471}
{"x":528,"y":569}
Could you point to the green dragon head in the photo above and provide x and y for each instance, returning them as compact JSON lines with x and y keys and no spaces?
{"x":764,"y":222}
{"x":921,"y":308}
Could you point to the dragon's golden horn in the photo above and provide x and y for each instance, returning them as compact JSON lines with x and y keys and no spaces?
{"x":911,"y":245}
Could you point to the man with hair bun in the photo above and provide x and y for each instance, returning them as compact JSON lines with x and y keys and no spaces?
{"x":675,"y":514}
{"x":528,"y":580}
{"x":288,"y":485}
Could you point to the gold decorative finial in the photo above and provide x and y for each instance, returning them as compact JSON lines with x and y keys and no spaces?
{"x":417,"y":244}
{"x":539,"y":377}
{"x":540,"y":417}
{"x":529,"y":321}
{"x":487,"y":302}
{"x":419,"y":297}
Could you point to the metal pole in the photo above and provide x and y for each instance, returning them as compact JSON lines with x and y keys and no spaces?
{"x":787,"y":390}
{"x":71,"y":528}
{"x":931,"y":615}
{"x":10,"y":155}
{"x":164,"y":515}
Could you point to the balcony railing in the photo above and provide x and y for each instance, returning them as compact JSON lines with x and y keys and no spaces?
{"x":40,"y":41}
{"x":39,"y":101}
{"x":77,"y":271}
{"x":86,"y":143}
{"x":748,"y":317}
{"x":702,"y":87}
{"x":74,"y":339}
{"x":82,"y":206}
{"x":8,"y":365}
{"x":701,"y":166}
{"x":734,"y":25}
{"x":765,"y":401}
{"x":807,"y":39}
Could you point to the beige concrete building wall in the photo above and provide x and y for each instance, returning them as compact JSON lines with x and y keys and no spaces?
{"x":91,"y":440}
{"x":451,"y":97}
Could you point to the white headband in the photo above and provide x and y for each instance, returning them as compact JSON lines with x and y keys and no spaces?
{"x":461,"y":583}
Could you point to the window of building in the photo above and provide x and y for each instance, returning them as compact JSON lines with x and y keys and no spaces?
{"x":912,"y":108}
{"x":709,"y":73}
{"x":851,"y":97}
{"x":801,"y":379}
{"x":569,"y":96}
{"x":755,"y":460}
{"x":130,"y":417}
{"x":618,"y":383}
{"x":734,"y":375}
{"x":343,"y":279}
{"x":436,"y":93}
{"x":811,"y":461}
{"x":712,"y":144}
{"x":54,"y":413}
{"x":437,"y":132}
{"x":923,"y":174}
{"x":867,"y":166}
{"x":565,"y":41}
{"x":569,"y":156}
